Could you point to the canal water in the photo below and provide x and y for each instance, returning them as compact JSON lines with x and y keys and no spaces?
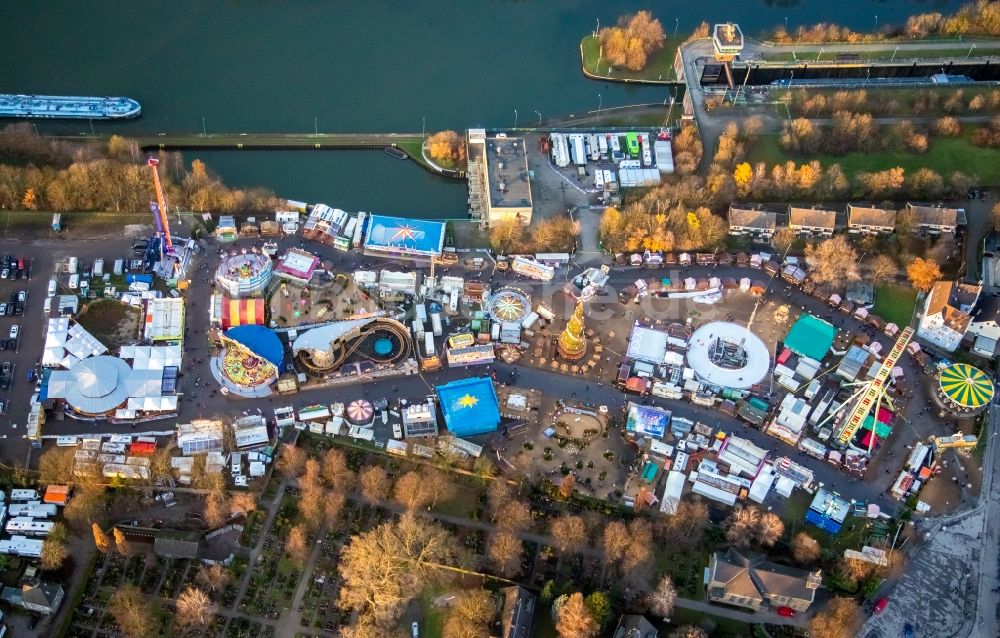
{"x":378,"y":65}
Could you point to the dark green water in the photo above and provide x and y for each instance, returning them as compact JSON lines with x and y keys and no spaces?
{"x":377,"y":65}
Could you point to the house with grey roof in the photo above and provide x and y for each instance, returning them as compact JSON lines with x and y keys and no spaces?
{"x":38,"y":596}
{"x":870,"y":220}
{"x":753,"y":582}
{"x":635,"y":626}
{"x":935,"y":219}
{"x":517,"y":613}
{"x":751,"y":220}
{"x":818,"y":222}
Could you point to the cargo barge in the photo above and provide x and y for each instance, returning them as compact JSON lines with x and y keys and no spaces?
{"x":68,"y":107}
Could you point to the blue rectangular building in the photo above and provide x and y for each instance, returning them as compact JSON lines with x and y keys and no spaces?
{"x":401,"y":237}
{"x":469,"y":406}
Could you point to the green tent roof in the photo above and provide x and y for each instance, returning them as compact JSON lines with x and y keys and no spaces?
{"x":810,"y":337}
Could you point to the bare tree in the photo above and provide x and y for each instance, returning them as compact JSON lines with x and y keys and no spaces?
{"x":336,"y":472}
{"x":382,"y":587}
{"x":769,"y":529}
{"x":439,"y":486}
{"x":742,"y":525}
{"x":291,"y":462}
{"x":689,"y":631}
{"x":505,"y":550}
{"x":614,"y":542}
{"x":839,"y":618}
{"x":783,"y":239}
{"x":101,"y":539}
{"x":131,"y":611}
{"x":567,"y":485}
{"x":85,"y":507}
{"x":498,"y":494}
{"x":569,"y":533}
{"x":832,"y":260}
{"x":194,"y":608}
{"x":662,"y":599}
{"x":805,"y":549}
{"x":374,"y":483}
{"x":469,"y":615}
{"x":54,"y":548}
{"x":636,"y":561}
{"x":411,"y":490}
{"x":515,"y":516}
{"x":55,"y":466}
{"x":574,"y":619}
{"x":882,"y":267}
{"x":297,"y":544}
{"x":214,"y":577}
{"x":121,"y":543}
{"x":312,"y":504}
{"x":243,"y":502}
{"x":217,"y":508}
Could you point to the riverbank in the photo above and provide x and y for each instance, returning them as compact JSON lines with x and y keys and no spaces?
{"x":659,"y":70}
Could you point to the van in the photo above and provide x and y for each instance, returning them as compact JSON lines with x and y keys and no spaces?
{"x":74,"y":281}
{"x":47,"y":306}
{"x":52,"y":288}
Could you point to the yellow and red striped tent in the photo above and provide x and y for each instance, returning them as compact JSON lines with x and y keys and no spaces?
{"x":242,"y":312}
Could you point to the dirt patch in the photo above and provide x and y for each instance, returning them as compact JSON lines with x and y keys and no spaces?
{"x":113,"y":323}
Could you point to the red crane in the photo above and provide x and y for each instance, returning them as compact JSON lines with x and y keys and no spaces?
{"x":160,"y":212}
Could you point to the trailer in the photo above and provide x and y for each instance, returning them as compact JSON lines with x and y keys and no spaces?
{"x":421,"y":312}
{"x":595,"y":149}
{"x":98,"y":270}
{"x":359,"y":230}
{"x":352,"y":225}
{"x":602,"y":142}
{"x":579,"y":154}
{"x":28,"y":526}
{"x":436,"y":324}
{"x":34,"y":509}
{"x":24,"y":495}
{"x":599,"y":180}
{"x":20,"y":545}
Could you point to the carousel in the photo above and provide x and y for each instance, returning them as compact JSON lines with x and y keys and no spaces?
{"x":964,"y":390}
{"x":360,"y":412}
{"x":508,"y":305}
{"x":242,"y":371}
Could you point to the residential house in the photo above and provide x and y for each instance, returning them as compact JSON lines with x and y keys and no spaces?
{"x":42,"y":597}
{"x":870,"y":220}
{"x":517,"y":612}
{"x":37,"y":596}
{"x":756,"y":222}
{"x":946,"y":316}
{"x":752,"y":582}
{"x":635,"y":626}
{"x":936,"y":219}
{"x":984,"y":331}
{"x":176,"y":543}
{"x":817,"y":222}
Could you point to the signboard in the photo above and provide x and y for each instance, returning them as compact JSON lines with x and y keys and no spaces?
{"x":532,"y":268}
{"x":473,"y":355}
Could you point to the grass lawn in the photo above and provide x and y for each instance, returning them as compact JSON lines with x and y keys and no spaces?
{"x":685,"y":566}
{"x":724,"y":627}
{"x":945,"y":156}
{"x":433,"y":616}
{"x":895,"y":303}
{"x":111,"y":322}
{"x":464,"y":502}
{"x":904,"y":96}
{"x":659,"y":68}
{"x":883,"y":54}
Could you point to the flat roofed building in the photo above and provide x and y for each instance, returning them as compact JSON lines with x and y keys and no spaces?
{"x":499,"y":185}
{"x":753,"y":221}
{"x":870,"y":220}
{"x":517,"y":612}
{"x":935,"y":219}
{"x":814,"y":221}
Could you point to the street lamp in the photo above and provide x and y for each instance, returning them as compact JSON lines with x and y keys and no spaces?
{"x":867,"y":75}
{"x":423,"y":126}
{"x":819,"y":54}
{"x":876,"y":23}
{"x":203,"y":131}
{"x":600,"y":103}
{"x":539,"y":114}
{"x":970,"y":50}
{"x":515,"y":118}
{"x":677,"y":22}
{"x":598,"y":29}
{"x":316,"y":125}
{"x":894,"y":54}
{"x":786,"y":23}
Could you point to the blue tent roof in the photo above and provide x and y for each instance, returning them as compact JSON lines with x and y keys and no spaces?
{"x":470,"y":406}
{"x":822,"y":522}
{"x":261,"y":341}
{"x":398,"y":234}
{"x":811,"y":337}
{"x":649,"y":420}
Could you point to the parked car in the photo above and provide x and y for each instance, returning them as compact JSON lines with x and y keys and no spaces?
{"x":787,"y":612}
{"x":13,"y":331}
{"x":416,"y":629}
{"x":881,"y":605}
{"x":5,"y":274}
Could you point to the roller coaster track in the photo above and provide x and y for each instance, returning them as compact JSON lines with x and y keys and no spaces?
{"x":346,"y":348}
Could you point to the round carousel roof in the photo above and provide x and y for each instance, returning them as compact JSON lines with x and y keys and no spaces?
{"x":98,"y":384}
{"x":509,"y":304}
{"x":966,"y":386}
{"x":360,"y":411}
